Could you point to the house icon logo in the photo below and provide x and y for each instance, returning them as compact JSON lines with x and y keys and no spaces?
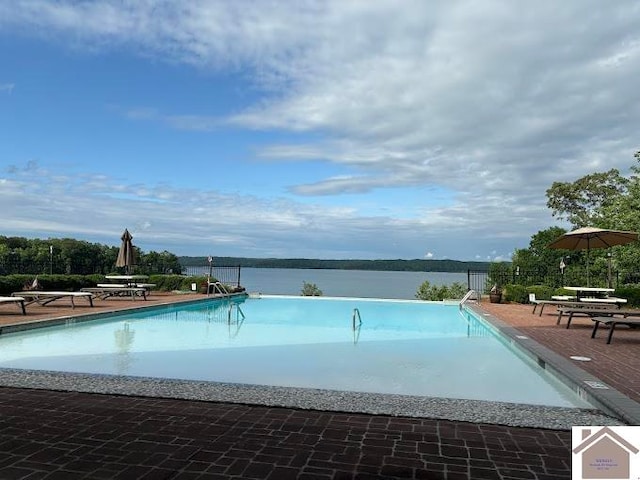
{"x":605,"y":452}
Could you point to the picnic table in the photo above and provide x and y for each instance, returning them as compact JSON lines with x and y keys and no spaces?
{"x":131,"y":281}
{"x":586,"y":292}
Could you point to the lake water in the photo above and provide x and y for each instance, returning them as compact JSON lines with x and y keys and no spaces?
{"x":344,"y":283}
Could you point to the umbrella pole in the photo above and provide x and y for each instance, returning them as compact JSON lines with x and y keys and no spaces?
{"x":588,"y":285}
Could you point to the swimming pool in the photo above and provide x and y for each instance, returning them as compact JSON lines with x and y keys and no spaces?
{"x":396,"y":347}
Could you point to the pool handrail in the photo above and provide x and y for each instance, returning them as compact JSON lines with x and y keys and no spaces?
{"x":218,"y":288}
{"x":356,"y":313}
{"x":467,"y":296}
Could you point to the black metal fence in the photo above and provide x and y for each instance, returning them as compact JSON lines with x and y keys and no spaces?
{"x":15,"y":265}
{"x":227,"y":275}
{"x":482,"y":281}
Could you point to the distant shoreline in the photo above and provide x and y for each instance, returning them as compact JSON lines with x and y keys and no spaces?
{"x":398,"y":265}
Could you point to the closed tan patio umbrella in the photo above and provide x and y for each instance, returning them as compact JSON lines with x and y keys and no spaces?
{"x":587,"y":238}
{"x":126,"y":255}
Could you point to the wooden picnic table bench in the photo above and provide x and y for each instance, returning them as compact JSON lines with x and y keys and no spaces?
{"x":612,"y":322}
{"x":610,"y":310}
{"x":17,"y":300}
{"x":44,"y":298}
{"x":105,"y":292}
{"x":571,"y":304}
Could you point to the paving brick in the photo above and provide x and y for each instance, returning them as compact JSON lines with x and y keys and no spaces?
{"x":283,"y":473}
{"x":483,"y":473}
{"x":387,"y":454}
{"x":393,"y":471}
{"x":65,"y":475}
{"x":157,"y":474}
{"x":314,"y":476}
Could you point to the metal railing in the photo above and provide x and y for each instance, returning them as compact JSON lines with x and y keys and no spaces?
{"x":356,"y":314}
{"x":239,"y":313}
{"x":356,"y":328}
{"x":482,"y":281}
{"x":227,"y":275}
{"x":470,"y":295}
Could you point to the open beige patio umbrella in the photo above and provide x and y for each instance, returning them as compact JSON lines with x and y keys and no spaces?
{"x":126,"y":255}
{"x":587,"y":238}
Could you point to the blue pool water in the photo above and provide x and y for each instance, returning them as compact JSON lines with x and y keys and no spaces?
{"x":400,"y":347}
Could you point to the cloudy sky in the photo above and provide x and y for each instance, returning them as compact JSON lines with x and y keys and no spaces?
{"x":317,"y":129}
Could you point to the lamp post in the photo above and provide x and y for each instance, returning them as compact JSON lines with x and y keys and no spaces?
{"x":50,"y":259}
{"x":562,"y":267}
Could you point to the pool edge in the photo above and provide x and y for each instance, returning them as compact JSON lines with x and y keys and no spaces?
{"x":585,"y":384}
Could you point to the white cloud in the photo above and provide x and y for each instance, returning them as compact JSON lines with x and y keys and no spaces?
{"x":43,"y":204}
{"x":7,"y":88}
{"x":492,"y":100}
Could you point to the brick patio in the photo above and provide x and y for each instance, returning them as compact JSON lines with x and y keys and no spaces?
{"x":617,"y":364}
{"x":70,"y":435}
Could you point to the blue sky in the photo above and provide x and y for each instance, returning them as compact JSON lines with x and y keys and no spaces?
{"x":316,"y":129}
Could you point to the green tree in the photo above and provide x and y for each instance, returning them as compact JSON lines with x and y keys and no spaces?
{"x":70,"y":256}
{"x":159,"y":262}
{"x":582,"y":202}
{"x":539,"y":259}
{"x":500,"y":273}
{"x":310,"y":290}
{"x":79,"y":257}
{"x":622,"y":214}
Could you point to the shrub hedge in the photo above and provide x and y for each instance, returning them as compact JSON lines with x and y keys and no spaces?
{"x":631,"y":292}
{"x":515,"y":293}
{"x":520,"y":293}
{"x":437,"y":293}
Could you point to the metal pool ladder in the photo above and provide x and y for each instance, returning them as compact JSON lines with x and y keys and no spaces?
{"x":218,"y":288}
{"x":237,"y":322}
{"x":356,"y":328}
{"x":239,"y":313}
{"x":356,"y":313}
{"x":470,"y":295}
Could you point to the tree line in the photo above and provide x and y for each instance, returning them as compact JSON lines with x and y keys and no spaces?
{"x":416,"y":265}
{"x":76,"y":257}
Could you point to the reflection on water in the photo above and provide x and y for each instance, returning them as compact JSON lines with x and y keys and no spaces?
{"x":475,"y":328}
{"x":124,"y":339}
{"x":222,"y":312}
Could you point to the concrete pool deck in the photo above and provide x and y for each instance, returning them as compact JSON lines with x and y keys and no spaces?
{"x":58,"y":434}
